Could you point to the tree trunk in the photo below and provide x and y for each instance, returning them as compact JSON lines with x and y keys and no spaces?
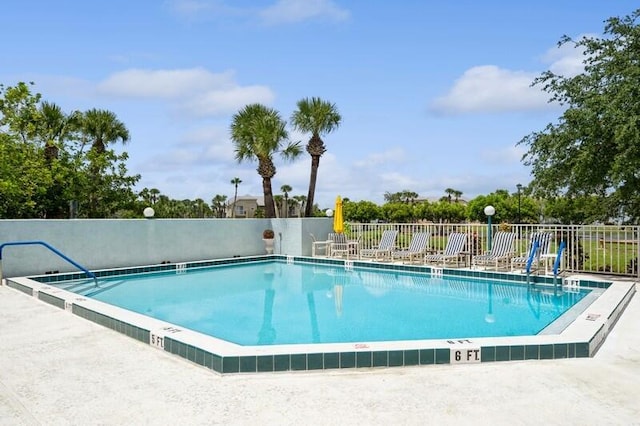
{"x":269,"y":208}
{"x":315,"y":162}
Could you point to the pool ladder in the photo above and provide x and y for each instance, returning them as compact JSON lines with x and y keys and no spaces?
{"x":53,"y":249}
{"x":556,"y":265}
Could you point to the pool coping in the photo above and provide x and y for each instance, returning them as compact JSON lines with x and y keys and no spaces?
{"x":581,"y":338}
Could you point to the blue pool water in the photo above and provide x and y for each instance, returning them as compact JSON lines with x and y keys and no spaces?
{"x":265,"y":303}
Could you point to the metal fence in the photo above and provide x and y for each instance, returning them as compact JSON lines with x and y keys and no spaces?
{"x":589,"y":248}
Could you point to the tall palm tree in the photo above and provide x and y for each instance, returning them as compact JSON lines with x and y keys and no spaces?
{"x":103,"y":127}
{"x":219,"y":204}
{"x":286,"y":189}
{"x":55,"y":128}
{"x":258,"y":133}
{"x":277,"y":200}
{"x":100,"y":127}
{"x":317,"y":117}
{"x":235,"y":182}
{"x":449,"y":192}
{"x":300,"y":199}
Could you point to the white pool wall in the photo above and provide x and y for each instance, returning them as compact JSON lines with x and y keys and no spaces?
{"x":113,"y":243}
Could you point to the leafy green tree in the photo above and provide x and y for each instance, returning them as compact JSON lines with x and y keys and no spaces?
{"x":593,"y":148}
{"x":397,"y":212}
{"x":573,"y":210}
{"x":19,"y":110}
{"x":317,"y":117}
{"x":360,"y":211}
{"x":449,"y":212}
{"x":500,"y":200}
{"x":44,"y":147}
{"x":258,"y":133}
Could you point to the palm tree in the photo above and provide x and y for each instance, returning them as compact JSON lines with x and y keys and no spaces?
{"x":449,"y":192}
{"x":317,"y":117}
{"x":103,"y":128}
{"x":300,"y":199}
{"x":258,"y":133}
{"x":154,"y":193}
{"x":235,"y":182}
{"x":219,"y":204}
{"x":100,"y":127}
{"x":277,"y":200}
{"x":286,"y":189}
{"x":55,"y":128}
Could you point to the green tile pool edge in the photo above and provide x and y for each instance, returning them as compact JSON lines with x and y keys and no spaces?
{"x":330,"y":360}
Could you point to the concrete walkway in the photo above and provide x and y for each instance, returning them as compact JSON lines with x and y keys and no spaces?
{"x":58,"y":369}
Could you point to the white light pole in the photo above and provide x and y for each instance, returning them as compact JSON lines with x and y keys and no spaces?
{"x":489,"y":211}
{"x":149,"y":213}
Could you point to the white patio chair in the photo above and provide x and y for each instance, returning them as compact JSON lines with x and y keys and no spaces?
{"x":501,"y":251}
{"x":456,"y":243}
{"x":384,"y":248}
{"x":417,"y":248}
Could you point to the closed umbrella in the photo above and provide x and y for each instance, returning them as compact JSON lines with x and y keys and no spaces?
{"x":338,"y":222}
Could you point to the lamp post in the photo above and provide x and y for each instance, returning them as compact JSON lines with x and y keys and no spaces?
{"x":489,"y":211}
{"x":148,"y":213}
{"x":519,"y":189}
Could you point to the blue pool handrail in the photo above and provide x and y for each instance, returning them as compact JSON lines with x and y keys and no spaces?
{"x":556,"y":264}
{"x":534,"y":249}
{"x":53,"y":249}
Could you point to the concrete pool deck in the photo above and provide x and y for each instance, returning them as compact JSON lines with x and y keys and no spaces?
{"x":57,"y":368}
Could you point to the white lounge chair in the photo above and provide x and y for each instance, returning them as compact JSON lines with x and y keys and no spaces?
{"x":339,"y":245}
{"x":501,"y":251}
{"x":456,"y":243}
{"x":417,"y":247}
{"x":382,"y":250}
{"x":543,"y":249}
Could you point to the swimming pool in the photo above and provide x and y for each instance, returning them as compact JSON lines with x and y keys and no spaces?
{"x":272,"y":302}
{"x":331,"y":292}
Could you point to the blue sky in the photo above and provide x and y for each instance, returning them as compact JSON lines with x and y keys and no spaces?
{"x":433,"y":95}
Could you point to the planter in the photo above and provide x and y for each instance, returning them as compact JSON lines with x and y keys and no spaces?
{"x":268,"y":245}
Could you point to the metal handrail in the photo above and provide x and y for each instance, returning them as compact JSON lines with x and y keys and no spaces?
{"x":53,"y":249}
{"x":556,"y":264}
{"x":534,"y":249}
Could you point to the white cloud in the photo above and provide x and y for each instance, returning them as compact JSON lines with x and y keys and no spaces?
{"x":489,"y":88}
{"x":509,"y":154}
{"x":566,"y":60}
{"x":164,"y":83}
{"x":225,"y":101}
{"x":288,"y":11}
{"x":377,"y":158}
{"x":197,"y":91}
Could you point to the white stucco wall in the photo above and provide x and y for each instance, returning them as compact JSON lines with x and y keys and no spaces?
{"x":105,"y":243}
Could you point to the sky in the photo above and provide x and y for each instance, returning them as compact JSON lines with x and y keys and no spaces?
{"x":432,"y":95}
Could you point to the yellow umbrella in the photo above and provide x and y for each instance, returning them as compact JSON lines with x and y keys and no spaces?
{"x":338,"y":222}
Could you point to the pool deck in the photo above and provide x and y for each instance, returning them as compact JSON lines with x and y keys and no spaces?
{"x":58,"y":368}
